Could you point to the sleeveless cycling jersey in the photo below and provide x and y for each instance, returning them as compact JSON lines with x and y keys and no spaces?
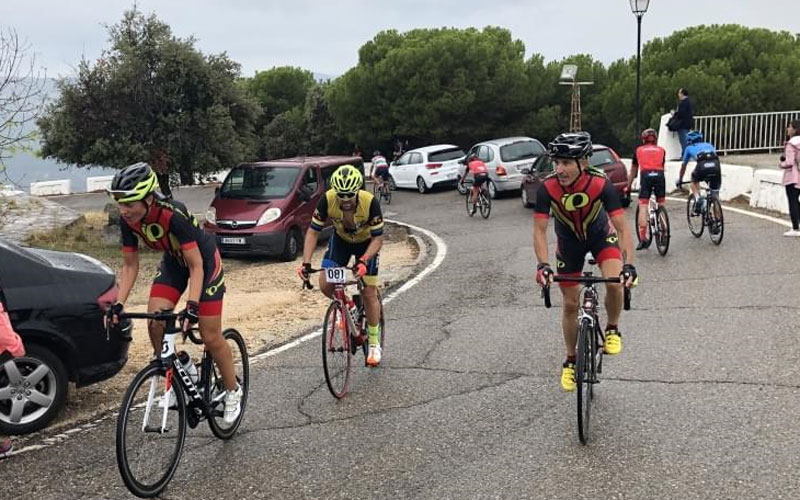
{"x":168,"y":226}
{"x":650,"y":157}
{"x":379,"y":162}
{"x":366,"y":221}
{"x":581,"y":210}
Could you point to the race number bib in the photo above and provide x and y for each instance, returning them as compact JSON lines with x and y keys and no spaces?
{"x":336,"y":275}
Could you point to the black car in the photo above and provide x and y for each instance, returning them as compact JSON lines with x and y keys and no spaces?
{"x":55,"y":301}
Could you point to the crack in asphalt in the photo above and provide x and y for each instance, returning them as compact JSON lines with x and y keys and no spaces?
{"x":387,"y":409}
{"x":702,"y":381}
{"x":445,"y":337}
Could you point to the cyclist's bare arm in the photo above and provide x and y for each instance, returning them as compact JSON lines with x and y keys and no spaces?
{"x":634,"y":173}
{"x":194,"y":261}
{"x":310,"y":244}
{"x":373,"y":248}
{"x":540,"y":239}
{"x":625,"y":238}
{"x":130,"y":269}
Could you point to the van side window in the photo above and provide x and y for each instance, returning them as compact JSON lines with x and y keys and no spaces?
{"x":310,"y":180}
{"x":235,"y":181}
{"x":327,"y":172}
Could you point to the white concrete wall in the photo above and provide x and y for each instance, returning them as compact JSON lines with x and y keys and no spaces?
{"x":99,"y":183}
{"x":669,"y":140}
{"x":768,"y":191}
{"x":48,"y":188}
{"x":736,"y":179}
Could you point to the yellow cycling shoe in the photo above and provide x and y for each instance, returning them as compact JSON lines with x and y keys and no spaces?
{"x":568,"y":377}
{"x":613,"y":343}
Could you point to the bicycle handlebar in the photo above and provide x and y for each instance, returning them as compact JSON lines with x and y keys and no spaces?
{"x":308,"y":286}
{"x":626,"y":295}
{"x":167,"y":316}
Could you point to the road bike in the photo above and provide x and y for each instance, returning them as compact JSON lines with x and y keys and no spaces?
{"x":709,"y":214}
{"x":344,"y":329}
{"x":484,"y":204}
{"x":657,"y":225}
{"x":382,"y":192}
{"x":591,"y":339}
{"x":163,"y":398}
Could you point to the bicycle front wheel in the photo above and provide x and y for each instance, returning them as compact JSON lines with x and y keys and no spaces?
{"x":716,"y":224}
{"x":214,"y":391}
{"x":584,"y":377}
{"x":662,"y":228}
{"x":486,"y":205}
{"x":337,"y":359}
{"x":151,"y":428}
{"x":696,"y":225}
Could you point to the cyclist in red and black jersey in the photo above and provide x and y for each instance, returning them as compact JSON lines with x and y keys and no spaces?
{"x":650,"y":159}
{"x":588,"y":218}
{"x":190,"y":257}
{"x":479,"y":175}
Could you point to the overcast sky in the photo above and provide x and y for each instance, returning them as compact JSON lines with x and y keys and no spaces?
{"x":323,"y":36}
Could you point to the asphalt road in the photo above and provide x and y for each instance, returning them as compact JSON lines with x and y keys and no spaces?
{"x":701,"y":404}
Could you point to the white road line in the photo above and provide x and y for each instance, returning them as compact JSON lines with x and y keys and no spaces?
{"x":441,"y":252}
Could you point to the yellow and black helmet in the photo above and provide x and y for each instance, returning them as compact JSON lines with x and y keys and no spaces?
{"x":133,"y":183}
{"x":346,"y":179}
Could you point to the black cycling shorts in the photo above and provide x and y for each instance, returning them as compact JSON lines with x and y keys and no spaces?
{"x":172,"y":278}
{"x":652,"y":181}
{"x":571,"y":253}
{"x":339,"y":253}
{"x":479,"y":179}
{"x":383,"y":173}
{"x":708,"y":170}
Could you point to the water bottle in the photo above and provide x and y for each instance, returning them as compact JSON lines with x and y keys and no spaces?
{"x":186,"y":362}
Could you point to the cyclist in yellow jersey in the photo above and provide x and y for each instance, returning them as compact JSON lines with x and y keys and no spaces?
{"x":356,"y":217}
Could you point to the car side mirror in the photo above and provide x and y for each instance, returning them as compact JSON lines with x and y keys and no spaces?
{"x":303,"y":194}
{"x":525,"y":170}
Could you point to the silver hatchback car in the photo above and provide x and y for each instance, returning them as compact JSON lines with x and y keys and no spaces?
{"x":505,"y":158}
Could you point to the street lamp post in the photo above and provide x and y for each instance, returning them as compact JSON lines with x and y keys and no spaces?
{"x":638,"y":7}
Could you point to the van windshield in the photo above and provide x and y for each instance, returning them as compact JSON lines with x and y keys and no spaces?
{"x":259,"y":182}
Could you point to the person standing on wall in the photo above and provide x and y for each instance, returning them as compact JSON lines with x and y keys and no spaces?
{"x":684,"y":116}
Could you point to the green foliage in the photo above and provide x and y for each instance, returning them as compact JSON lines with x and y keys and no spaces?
{"x":279,"y":89}
{"x":152,"y":97}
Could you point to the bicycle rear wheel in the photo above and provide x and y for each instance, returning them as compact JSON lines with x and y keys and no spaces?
{"x":150,"y":434}
{"x":387,"y":194}
{"x":584,"y":377}
{"x":470,"y":204}
{"x":337,"y":358}
{"x":716,"y":224}
{"x":214,"y":392}
{"x":696,"y":224}
{"x":486,"y":205}
{"x":662,"y":235}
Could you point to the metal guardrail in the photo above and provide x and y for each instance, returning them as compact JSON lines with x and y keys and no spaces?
{"x":746,"y":132}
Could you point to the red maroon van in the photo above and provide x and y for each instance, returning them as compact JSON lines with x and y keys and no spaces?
{"x":264,"y":208}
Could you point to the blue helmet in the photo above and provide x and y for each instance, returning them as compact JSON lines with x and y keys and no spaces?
{"x":694,"y":137}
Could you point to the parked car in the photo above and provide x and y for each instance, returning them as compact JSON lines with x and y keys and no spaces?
{"x":265,"y":208}
{"x":602,"y":157}
{"x":504,"y":159}
{"x":56,"y":302}
{"x":424,"y":168}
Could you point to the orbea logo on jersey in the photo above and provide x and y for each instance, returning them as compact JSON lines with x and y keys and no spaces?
{"x":574,"y":201}
{"x":153,"y":232}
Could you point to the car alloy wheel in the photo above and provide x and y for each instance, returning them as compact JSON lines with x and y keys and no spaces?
{"x":421,"y":187}
{"x":492,"y":190}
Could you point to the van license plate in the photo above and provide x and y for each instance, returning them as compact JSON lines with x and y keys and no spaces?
{"x":232,"y":241}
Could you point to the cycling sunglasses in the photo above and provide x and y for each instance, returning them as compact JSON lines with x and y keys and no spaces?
{"x":346,"y":196}
{"x":117,"y":195}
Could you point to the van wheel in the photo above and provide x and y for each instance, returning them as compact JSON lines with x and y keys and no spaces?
{"x":33,"y":390}
{"x":291,"y":248}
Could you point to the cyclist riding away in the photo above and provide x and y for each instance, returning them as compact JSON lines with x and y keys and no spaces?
{"x":588,"y":218}
{"x":707,"y":167}
{"x":356,"y":217}
{"x":650,"y":159}
{"x":479,"y":176}
{"x":190,"y":256}
{"x":380,"y":168}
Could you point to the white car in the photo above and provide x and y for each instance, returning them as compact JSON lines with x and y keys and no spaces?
{"x":423,"y":168}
